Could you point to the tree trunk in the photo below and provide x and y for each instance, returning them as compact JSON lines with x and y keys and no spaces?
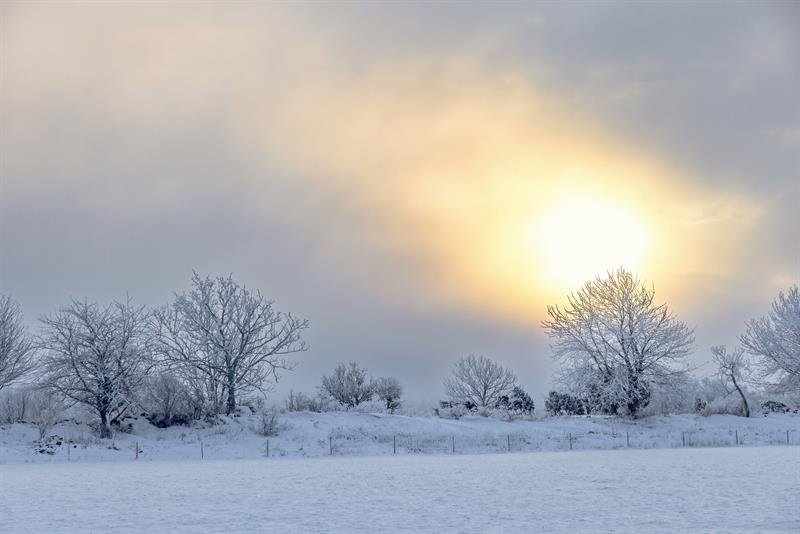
{"x":741,"y":394}
{"x":105,"y":430}
{"x":231,"y":396}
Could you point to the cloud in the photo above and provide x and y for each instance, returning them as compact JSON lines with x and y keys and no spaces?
{"x":378,"y":166}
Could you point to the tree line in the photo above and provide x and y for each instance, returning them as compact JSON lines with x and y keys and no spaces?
{"x":615,"y":345}
{"x":213,"y":343}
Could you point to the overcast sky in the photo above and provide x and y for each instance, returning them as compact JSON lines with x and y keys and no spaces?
{"x":378,"y":167}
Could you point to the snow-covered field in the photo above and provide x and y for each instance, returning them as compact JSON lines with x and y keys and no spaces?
{"x":746,"y":489}
{"x":349,"y":434}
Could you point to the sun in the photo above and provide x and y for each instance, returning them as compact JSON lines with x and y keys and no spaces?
{"x":578,"y":238}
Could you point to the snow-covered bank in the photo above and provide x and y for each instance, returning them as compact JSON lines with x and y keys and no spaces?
{"x":350,"y":434}
{"x":745,"y":489}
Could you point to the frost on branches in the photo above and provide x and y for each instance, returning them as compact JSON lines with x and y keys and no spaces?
{"x":16,"y":348}
{"x":615,"y":343}
{"x":479,"y":381}
{"x":97,"y":356}
{"x":224,"y":335}
{"x":733,"y":368}
{"x":348,"y":385}
{"x":775,"y":339}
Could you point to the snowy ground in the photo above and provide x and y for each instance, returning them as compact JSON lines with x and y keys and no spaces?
{"x":745,"y":489}
{"x":350,"y":434}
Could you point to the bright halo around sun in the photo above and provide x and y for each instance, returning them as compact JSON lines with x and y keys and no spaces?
{"x":580,"y":238}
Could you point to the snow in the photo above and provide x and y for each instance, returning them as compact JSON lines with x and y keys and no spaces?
{"x":744,"y":489}
{"x":351,"y":434}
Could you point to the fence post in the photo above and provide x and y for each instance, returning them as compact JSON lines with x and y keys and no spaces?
{"x":737,"y":436}
{"x":454,"y":444}
{"x":508,"y":440}
{"x":69,"y":445}
{"x":202,"y":453}
{"x":330,"y":444}
{"x":683,"y":438}
{"x":267,"y":448}
{"x":570,"y":441}
{"x":137,"y":451}
{"x":394,"y":444}
{"x":627,"y":439}
{"x":787,"y":437}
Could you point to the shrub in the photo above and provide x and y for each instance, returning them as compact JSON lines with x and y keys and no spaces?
{"x":300,"y":402}
{"x":268,"y":423}
{"x":14,"y":404}
{"x":565,"y":404}
{"x":44,"y":411}
{"x":347,"y":385}
{"x":167,"y":401}
{"x":388,"y":390}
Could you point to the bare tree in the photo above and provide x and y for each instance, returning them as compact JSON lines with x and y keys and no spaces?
{"x":613,"y":341}
{"x":348,"y":385}
{"x":45,"y":410}
{"x":166,"y":398}
{"x":16,"y":347}
{"x":775,"y":339}
{"x":733,"y":368}
{"x":479,"y":380}
{"x":15,"y":403}
{"x":97,"y":356}
{"x":389,"y":390}
{"x":230,"y":335}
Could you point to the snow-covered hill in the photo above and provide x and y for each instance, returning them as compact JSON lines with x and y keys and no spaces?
{"x":350,"y":434}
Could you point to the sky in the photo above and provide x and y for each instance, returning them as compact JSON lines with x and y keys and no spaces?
{"x":419,"y":180}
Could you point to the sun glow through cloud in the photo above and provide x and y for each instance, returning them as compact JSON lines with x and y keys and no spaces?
{"x":579,"y":238}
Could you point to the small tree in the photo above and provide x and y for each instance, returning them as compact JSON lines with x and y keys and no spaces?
{"x":231,"y":336}
{"x":45,"y":410}
{"x":388,"y":390}
{"x":167,"y":400}
{"x":775,"y":340}
{"x":16,"y":347}
{"x":564,"y":404}
{"x":479,"y":381}
{"x":614,"y":339}
{"x":97,"y":356}
{"x":520,"y":402}
{"x":348,"y":385}
{"x":733,"y":368}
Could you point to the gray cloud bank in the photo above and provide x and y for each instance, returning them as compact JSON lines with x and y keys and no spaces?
{"x":141,"y":142}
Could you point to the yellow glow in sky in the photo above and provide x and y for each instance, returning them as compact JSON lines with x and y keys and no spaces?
{"x":579,"y":238}
{"x":431,"y":181}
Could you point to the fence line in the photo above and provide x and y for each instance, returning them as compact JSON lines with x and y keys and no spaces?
{"x":342,"y":444}
{"x":413,"y":443}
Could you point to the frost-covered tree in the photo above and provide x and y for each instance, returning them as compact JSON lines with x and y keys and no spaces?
{"x":16,"y":347}
{"x":518,"y":402}
{"x":45,"y":410}
{"x":167,"y":399}
{"x":228,"y":334}
{"x":96,"y":356}
{"x":564,"y":404}
{"x":348,"y":385}
{"x":612,"y":338}
{"x":775,"y":340}
{"x":478,"y":380}
{"x":732,"y":371}
{"x":388,"y":390}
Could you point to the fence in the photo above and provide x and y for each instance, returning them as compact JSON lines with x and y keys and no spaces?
{"x":550,"y":441}
{"x":349,"y":442}
{"x":343,"y":441}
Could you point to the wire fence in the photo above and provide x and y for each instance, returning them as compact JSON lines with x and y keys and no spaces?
{"x":552,"y":441}
{"x":360,"y":442}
